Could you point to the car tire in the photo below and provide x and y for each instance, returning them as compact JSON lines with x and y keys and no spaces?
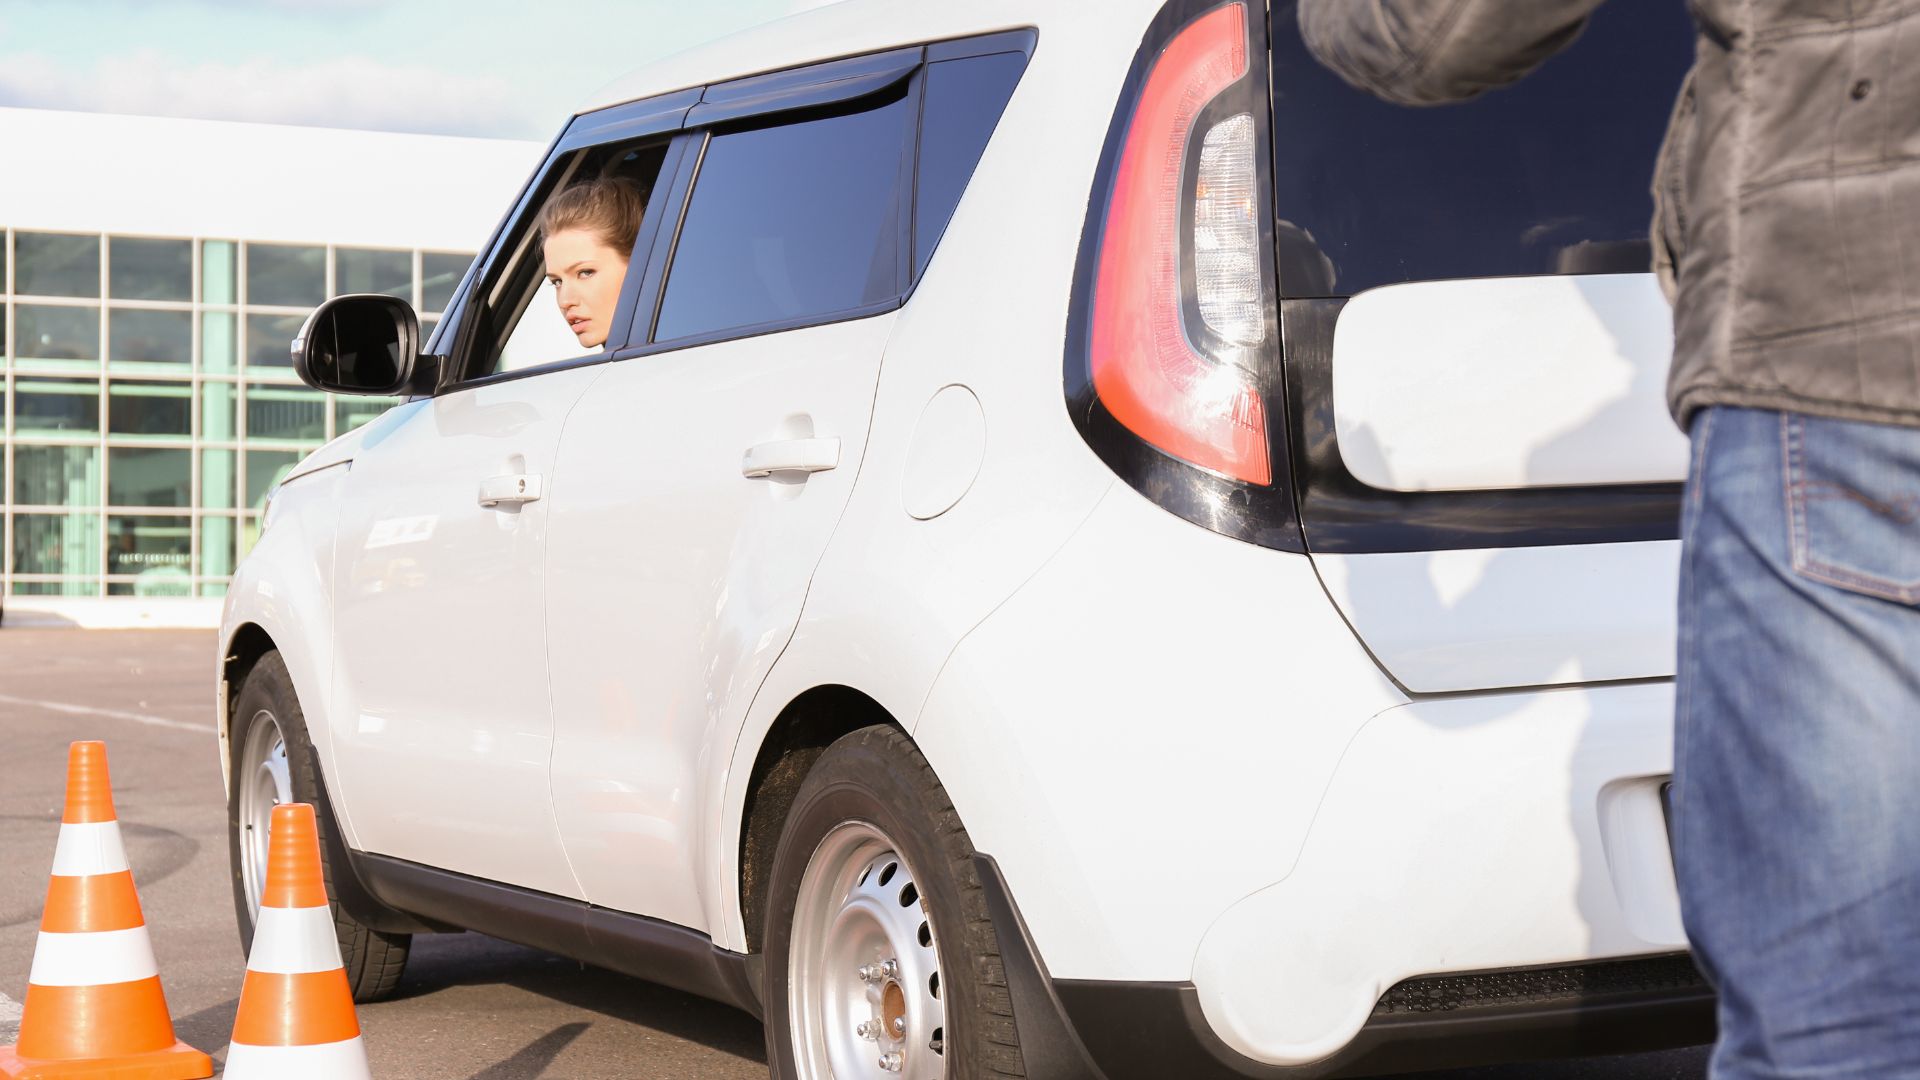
{"x":873,"y":866}
{"x":272,"y":760}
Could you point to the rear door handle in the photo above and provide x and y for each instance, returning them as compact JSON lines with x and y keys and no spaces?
{"x":513,"y":490}
{"x":791,"y":455}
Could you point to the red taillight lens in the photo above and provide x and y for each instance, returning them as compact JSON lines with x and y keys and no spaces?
{"x":1199,"y":405}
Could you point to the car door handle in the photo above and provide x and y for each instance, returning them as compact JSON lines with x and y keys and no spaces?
{"x":791,"y":455}
{"x":513,"y":490}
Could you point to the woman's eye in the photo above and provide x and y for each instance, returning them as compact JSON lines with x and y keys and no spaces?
{"x":585,"y":274}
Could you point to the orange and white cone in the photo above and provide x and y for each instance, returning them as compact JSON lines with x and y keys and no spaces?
{"x":296,"y":1018}
{"x":94,"y":1006}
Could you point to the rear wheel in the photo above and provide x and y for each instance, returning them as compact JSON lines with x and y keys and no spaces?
{"x":881,"y":959}
{"x":273,"y":762}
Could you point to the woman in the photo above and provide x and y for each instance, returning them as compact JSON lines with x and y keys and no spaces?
{"x":587,"y":233}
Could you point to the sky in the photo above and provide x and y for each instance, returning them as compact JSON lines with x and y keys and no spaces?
{"x":493,"y":68}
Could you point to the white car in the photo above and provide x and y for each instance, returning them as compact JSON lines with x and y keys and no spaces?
{"x":1091,"y":549}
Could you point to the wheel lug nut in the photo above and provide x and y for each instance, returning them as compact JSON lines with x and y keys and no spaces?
{"x":899,"y":1027}
{"x":869,"y":1030}
{"x":889,"y":969}
{"x":891,"y":1062}
{"x":870,"y":973}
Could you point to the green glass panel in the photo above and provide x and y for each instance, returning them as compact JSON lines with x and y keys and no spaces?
{"x":150,"y":338}
{"x":266,"y":468}
{"x":156,"y":548}
{"x":352,"y":412}
{"x":214,"y":589}
{"x":66,"y":476}
{"x":219,"y":411}
{"x":56,"y":264}
{"x":270,"y":339}
{"x":140,"y":269}
{"x":150,"y":410}
{"x":217,"y":481}
{"x":284,"y":413}
{"x":217,"y":536}
{"x":44,"y":332}
{"x":84,"y":587}
{"x":219,"y":347}
{"x":55,"y":407}
{"x":145,"y":476}
{"x":357,"y":270}
{"x":218,"y":280}
{"x":286,"y":276}
{"x":65,"y":544}
{"x":440,"y":274}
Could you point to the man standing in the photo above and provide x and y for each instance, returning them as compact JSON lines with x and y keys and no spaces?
{"x":1787,"y":235}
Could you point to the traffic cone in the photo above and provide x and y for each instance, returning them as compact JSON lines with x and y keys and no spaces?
{"x":296,"y":1019}
{"x":94,"y":1007}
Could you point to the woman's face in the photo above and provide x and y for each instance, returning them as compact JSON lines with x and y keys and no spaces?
{"x":586,"y":276}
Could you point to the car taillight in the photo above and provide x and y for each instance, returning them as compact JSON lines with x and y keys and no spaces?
{"x":1187,"y":390}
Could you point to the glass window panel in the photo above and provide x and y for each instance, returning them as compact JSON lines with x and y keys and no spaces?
{"x":219,"y":411}
{"x":964,"y":99}
{"x":218,"y":482}
{"x":219,"y":348}
{"x":266,"y":468}
{"x":216,"y":546}
{"x":790,"y":222}
{"x":56,"y":264}
{"x":352,"y":412}
{"x":55,"y":407}
{"x":150,"y":409}
{"x":66,"y":544}
{"x":142,"y":476}
{"x":217,"y":276}
{"x":57,"y":333}
{"x":158,"y":550}
{"x":149,"y":337}
{"x":56,"y":476}
{"x":215,"y":589}
{"x":362,"y":271}
{"x":440,"y":274}
{"x":284,"y":275}
{"x":284,"y":412}
{"x":149,"y":269}
{"x":270,"y":339}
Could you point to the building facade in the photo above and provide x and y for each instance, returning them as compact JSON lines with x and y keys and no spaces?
{"x":147,"y":298}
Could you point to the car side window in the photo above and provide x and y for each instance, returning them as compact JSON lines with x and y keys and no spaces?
{"x":964,"y":100}
{"x":792,"y":222}
{"x":537,"y":314}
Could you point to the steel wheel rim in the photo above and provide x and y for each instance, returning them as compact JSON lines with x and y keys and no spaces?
{"x":860,"y":907}
{"x":264,"y":784}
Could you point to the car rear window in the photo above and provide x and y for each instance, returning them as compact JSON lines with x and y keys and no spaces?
{"x":1550,"y":175}
{"x":792,"y":222}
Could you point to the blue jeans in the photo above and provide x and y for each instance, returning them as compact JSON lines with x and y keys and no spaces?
{"x":1796,"y":815}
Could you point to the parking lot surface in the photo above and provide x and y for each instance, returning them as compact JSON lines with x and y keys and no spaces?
{"x":469,"y":1008}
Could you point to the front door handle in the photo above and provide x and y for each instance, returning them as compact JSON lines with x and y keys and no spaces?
{"x":791,"y":455}
{"x":517,"y":489}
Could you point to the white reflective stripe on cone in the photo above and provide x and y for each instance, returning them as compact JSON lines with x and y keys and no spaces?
{"x":294,"y":941}
{"x":93,"y":959}
{"x":86,"y":850}
{"x":328,"y":1061}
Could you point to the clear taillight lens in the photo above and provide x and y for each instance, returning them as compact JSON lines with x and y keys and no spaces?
{"x":1196,"y":401}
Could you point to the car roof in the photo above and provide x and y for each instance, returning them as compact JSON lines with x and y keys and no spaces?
{"x":847,"y":28}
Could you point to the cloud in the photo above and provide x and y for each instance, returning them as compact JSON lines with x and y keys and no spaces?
{"x":350,"y":92}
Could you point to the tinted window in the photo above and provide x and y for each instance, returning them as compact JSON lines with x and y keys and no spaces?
{"x":790,"y":222}
{"x":1550,"y":175}
{"x":964,"y":99}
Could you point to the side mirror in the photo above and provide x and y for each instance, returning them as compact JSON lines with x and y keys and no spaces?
{"x":361,"y":344}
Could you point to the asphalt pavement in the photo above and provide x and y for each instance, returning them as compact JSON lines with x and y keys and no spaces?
{"x":469,"y":1007}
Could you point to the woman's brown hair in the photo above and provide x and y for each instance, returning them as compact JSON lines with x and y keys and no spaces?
{"x":610,"y":208}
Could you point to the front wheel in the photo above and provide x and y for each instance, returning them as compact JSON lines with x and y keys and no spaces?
{"x":881,"y":959}
{"x":273,"y":762}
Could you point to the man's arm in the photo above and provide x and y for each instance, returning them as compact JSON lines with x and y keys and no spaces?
{"x":1425,"y":52}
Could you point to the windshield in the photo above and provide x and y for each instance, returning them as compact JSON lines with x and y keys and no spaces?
{"x":1550,"y":175}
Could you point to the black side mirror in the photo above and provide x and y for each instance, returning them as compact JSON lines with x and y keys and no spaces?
{"x":361,"y":344}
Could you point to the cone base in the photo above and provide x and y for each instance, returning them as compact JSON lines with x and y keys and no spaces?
{"x":182,"y":1062}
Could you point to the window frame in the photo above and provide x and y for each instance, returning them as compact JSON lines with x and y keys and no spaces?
{"x":689,"y":117}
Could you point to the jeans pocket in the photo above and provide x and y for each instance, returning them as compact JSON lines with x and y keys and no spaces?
{"x":1853,"y":504}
